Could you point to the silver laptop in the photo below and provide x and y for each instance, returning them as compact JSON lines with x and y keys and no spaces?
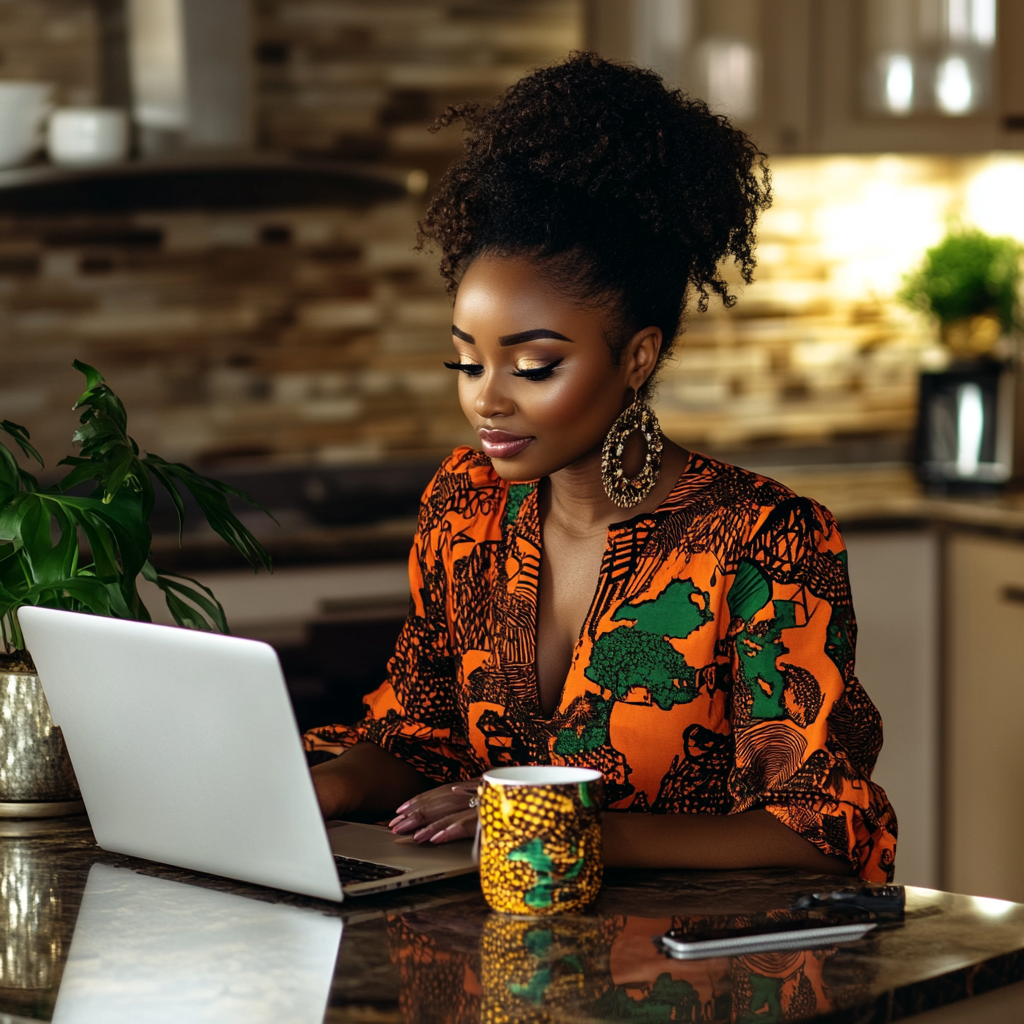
{"x":187,"y":752}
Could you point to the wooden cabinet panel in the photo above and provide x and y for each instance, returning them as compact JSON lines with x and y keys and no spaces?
{"x":984,"y":747}
{"x":895,"y":582}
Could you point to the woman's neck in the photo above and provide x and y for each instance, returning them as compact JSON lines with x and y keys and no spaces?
{"x":576,"y":499}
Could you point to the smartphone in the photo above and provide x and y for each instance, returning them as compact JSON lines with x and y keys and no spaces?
{"x":760,"y":933}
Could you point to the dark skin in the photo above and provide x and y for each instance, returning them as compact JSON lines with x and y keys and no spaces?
{"x":538,"y":368}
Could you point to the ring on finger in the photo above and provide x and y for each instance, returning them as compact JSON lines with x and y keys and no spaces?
{"x":474,"y":801}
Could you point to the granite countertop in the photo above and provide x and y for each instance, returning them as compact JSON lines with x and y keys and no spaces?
{"x":883,"y":494}
{"x":96,"y":936}
{"x":870,"y":495}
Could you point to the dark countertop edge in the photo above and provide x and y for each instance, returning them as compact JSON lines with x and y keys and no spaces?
{"x":908,"y":1001}
{"x":391,"y":541}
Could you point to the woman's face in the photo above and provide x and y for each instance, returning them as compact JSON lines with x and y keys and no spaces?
{"x":536,"y":378}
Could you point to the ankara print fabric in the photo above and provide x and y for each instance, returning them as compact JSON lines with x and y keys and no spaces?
{"x":714,"y":673}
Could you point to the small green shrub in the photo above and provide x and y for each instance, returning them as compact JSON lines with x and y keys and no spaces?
{"x":58,"y":550}
{"x":968,"y":273}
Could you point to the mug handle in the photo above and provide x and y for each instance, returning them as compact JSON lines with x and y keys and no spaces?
{"x":479,"y":832}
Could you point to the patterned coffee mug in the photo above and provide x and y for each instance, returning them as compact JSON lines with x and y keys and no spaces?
{"x":540,"y":842}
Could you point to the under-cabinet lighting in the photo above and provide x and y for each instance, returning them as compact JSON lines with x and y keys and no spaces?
{"x":731,"y":69}
{"x":899,"y":83}
{"x":958,"y":20}
{"x":983,"y":22}
{"x":954,"y":88}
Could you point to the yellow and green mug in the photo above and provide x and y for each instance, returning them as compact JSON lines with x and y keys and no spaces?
{"x":540,"y":838}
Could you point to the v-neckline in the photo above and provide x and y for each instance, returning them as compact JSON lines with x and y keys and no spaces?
{"x":532,"y":509}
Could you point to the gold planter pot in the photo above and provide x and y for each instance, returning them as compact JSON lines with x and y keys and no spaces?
{"x":36,"y":777}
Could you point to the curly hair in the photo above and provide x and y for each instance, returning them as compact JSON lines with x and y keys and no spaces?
{"x":630,"y":193}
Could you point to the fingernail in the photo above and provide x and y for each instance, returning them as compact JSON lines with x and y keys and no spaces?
{"x":421,"y":835}
{"x":440,"y":836}
{"x":394,"y":821}
{"x":402,"y":807}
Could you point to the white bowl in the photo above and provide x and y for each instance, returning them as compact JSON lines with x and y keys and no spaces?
{"x":88,"y":136}
{"x":23,"y":108}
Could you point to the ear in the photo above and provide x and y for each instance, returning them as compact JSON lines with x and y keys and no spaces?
{"x":641,"y":356}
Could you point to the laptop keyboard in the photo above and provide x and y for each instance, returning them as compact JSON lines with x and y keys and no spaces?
{"x":351,"y":870}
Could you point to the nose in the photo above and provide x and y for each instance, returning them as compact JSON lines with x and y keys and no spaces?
{"x":491,"y":399}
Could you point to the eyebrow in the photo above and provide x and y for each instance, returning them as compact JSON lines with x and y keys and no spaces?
{"x":515,"y":339}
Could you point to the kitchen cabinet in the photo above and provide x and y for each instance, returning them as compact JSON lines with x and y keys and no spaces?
{"x":831,"y":76}
{"x":983,"y":749}
{"x":334,"y":628}
{"x":894,"y":576}
{"x":279,"y":608}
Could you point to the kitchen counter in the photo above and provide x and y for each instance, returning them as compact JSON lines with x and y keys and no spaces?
{"x":91,"y":935}
{"x":870,"y":495}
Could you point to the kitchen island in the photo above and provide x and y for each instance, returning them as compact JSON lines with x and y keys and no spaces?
{"x":96,"y":936}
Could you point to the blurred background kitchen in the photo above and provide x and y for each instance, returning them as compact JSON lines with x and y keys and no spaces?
{"x":219,"y":214}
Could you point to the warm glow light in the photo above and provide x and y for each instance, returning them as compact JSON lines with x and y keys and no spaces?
{"x":992,"y":907}
{"x":958,"y":19}
{"x":954,"y":88}
{"x":983,"y":22}
{"x":885,"y":219}
{"x":899,"y":83}
{"x":731,"y":77}
{"x":995,"y":198}
{"x":970,"y":425}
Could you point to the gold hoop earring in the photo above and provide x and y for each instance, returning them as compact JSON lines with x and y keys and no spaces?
{"x":627,"y":491}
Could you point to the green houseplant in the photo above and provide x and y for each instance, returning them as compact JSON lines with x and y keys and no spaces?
{"x":87,"y":553}
{"x":970,"y":283}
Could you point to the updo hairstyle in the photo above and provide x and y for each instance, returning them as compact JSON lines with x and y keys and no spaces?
{"x":629,"y":193}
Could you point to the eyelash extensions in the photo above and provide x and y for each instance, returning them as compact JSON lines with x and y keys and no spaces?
{"x":538,"y":373}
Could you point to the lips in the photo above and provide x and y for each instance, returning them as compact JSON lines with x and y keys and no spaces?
{"x":499,"y":444}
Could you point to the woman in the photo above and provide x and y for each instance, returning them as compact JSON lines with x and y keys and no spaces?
{"x":709,"y":675}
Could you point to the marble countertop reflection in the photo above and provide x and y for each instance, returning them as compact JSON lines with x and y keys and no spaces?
{"x":89,"y":936}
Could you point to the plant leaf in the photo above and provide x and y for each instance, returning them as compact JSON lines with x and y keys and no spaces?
{"x":205,"y":601}
{"x":92,"y":375}
{"x":21,"y":437}
{"x":155,"y":464}
{"x":211,"y":496}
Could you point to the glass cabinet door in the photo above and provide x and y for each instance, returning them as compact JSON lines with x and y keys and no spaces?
{"x":836,"y":75}
{"x":927,"y":56}
{"x":916,"y":75}
{"x":749,"y":59}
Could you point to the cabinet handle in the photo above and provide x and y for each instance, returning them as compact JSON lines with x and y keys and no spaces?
{"x":1014,"y":594}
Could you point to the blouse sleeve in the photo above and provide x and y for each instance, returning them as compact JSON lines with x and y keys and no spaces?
{"x":415,"y":714}
{"x":807,"y":735}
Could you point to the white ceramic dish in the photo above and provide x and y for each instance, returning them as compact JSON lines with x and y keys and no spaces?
{"x":23,"y":109}
{"x":88,"y":136}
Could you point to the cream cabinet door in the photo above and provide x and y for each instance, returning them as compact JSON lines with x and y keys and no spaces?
{"x":895,"y":582}
{"x":984,"y":748}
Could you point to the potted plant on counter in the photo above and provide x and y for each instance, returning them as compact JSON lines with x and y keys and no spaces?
{"x":59,"y":549}
{"x":969,"y":282}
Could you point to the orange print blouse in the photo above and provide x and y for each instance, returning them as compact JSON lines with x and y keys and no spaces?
{"x":714,"y":672}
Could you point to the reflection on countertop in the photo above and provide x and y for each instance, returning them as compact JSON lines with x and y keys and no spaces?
{"x":147,"y":949}
{"x":114,"y":938}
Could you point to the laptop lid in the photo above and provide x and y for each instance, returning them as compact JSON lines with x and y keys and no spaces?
{"x":149,"y":949}
{"x":185,"y":747}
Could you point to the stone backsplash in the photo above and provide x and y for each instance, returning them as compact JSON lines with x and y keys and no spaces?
{"x":302,"y":335}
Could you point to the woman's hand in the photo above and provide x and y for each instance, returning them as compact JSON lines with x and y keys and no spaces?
{"x":439,"y":815}
{"x":365,"y":782}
